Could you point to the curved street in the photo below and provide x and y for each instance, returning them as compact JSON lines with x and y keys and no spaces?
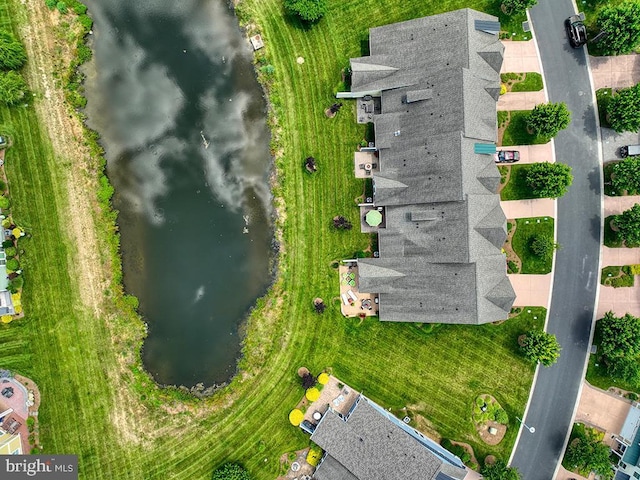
{"x":576,"y":275}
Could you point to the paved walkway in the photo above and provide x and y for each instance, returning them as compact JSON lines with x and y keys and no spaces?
{"x":615,"y":72}
{"x":520,"y":100}
{"x":533,"y":153}
{"x":603,"y":410}
{"x":531,"y":290}
{"x":539,"y":207}
{"x":615,"y":205}
{"x":520,"y":57}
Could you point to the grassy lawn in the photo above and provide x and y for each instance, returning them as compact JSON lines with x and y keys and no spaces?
{"x":603,"y":97}
{"x":616,"y":276}
{"x":522,"y":82}
{"x":516,"y":132}
{"x":526,"y":230}
{"x":517,"y":187}
{"x":78,"y":356}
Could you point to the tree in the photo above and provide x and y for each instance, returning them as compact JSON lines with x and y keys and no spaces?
{"x":549,"y":179}
{"x":310,"y":165}
{"x":628,"y":225}
{"x":619,"y":27}
{"x":230,"y":471}
{"x":587,"y":453}
{"x":4,"y":202}
{"x":309,"y":11}
{"x":341,"y":223}
{"x":620,"y":336}
{"x":542,"y":347}
{"x":319,"y":307}
{"x":543,"y":246}
{"x":625,"y":175}
{"x":13,"y":264}
{"x":12,"y":53}
{"x":515,"y":7}
{"x":547,"y":119}
{"x":623,"y":110}
{"x":308,"y":381}
{"x":500,"y":471}
{"x":12,"y":88}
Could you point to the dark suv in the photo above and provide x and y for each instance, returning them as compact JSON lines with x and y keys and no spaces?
{"x":576,"y":31}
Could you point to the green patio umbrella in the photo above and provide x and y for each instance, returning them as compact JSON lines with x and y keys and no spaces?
{"x":373,"y":218}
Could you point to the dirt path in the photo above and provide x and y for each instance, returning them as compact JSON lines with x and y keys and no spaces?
{"x":45,"y":48}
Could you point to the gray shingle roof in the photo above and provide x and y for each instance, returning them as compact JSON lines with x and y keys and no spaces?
{"x":369,"y":446}
{"x":444,"y":224}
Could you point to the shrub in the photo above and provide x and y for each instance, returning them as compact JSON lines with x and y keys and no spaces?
{"x":543,"y":246}
{"x":62,"y":7}
{"x":514,"y":7}
{"x":51,"y":4}
{"x":549,"y":179}
{"x":10,"y":251}
{"x":503,"y":89}
{"x":314,"y":455}
{"x":79,"y":8}
{"x":13,"y":265}
{"x":634,"y":269}
{"x":230,"y":471}
{"x":105,"y":191}
{"x":7,"y":243}
{"x":308,"y":381}
{"x":625,"y":176}
{"x":501,"y":416}
{"x":309,"y":11}
{"x":84,"y":53}
{"x":341,"y":223}
{"x":547,"y":119}
{"x":500,"y":471}
{"x":86,"y":22}
{"x":13,"y":89}
{"x":12,"y":53}
{"x":4,"y":202}
{"x":15,"y":284}
{"x":268,"y":69}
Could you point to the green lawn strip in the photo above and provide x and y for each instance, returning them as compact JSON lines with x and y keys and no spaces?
{"x":532,"y":81}
{"x":516,"y":132}
{"x":617,"y":276}
{"x":608,"y":188}
{"x":70,"y":353}
{"x":516,"y":188}
{"x":526,"y":230}
{"x":603,"y":97}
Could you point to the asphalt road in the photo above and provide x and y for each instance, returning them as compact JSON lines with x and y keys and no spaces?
{"x":576,"y":269}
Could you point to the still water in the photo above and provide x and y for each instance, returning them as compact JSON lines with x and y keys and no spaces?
{"x":173,"y":94}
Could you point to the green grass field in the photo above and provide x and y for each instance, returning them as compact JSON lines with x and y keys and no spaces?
{"x":617,"y":276}
{"x":517,"y":187}
{"x":523,"y":82}
{"x":516,"y":132}
{"x":67,"y":349}
{"x":526,"y":229}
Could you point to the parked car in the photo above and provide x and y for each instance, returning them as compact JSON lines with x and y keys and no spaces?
{"x":629,"y":150}
{"x":576,"y":31}
{"x":506,"y":156}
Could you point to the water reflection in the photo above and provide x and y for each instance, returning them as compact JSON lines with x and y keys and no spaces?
{"x":175,"y":100}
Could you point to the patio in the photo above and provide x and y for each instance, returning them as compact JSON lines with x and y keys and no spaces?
{"x":352,"y":302}
{"x":365,"y":163}
{"x":366,"y":223}
{"x":334,"y":394}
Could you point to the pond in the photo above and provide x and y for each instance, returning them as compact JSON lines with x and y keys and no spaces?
{"x":174,"y":96}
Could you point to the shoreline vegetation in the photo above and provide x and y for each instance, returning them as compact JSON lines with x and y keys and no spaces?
{"x":81,"y":339}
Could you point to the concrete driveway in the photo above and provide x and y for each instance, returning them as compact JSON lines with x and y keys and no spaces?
{"x":521,"y":100}
{"x":612,"y":141}
{"x":531,"y":290}
{"x":520,"y":57}
{"x":603,"y":410}
{"x":615,"y":72}
{"x":538,"y":207}
{"x":533,"y":153}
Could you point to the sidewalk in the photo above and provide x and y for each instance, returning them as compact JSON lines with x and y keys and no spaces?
{"x":615,"y":72}
{"x":533,"y":153}
{"x":616,"y":205}
{"x":520,"y":100}
{"x":520,"y":57}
